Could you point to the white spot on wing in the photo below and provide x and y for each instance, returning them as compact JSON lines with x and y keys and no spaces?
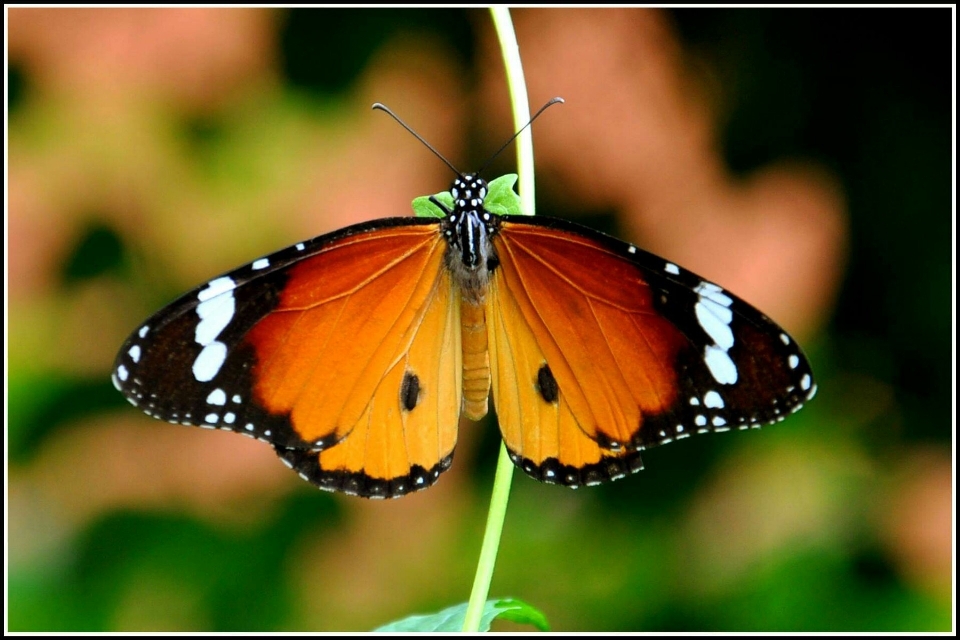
{"x":208,"y":363}
{"x":299,"y":246}
{"x":721,"y":366}
{"x":218,"y":397}
{"x":672,"y":268}
{"x":122,"y":373}
{"x":216,"y":287}
{"x":715,"y":321}
{"x":143,"y":331}
{"x":215,"y":314}
{"x":713,"y":400}
{"x":632,"y":249}
{"x":262,"y":263}
{"x":713,"y":292}
{"x":134,"y":353}
{"x":212,"y":418}
{"x":713,"y":314}
{"x":793,"y":360}
{"x":805,"y":382}
{"x":216,"y":309}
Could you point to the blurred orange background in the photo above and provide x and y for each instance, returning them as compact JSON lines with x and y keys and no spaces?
{"x":150,"y":149}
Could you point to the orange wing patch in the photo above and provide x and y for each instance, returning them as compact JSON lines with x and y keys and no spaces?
{"x":539,"y":427}
{"x":405,"y":437}
{"x":341,"y":320}
{"x":353,"y":360}
{"x":591,"y":317}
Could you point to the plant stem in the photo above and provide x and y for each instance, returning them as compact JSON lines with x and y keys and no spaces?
{"x":504,"y":473}
{"x":521,"y":106}
{"x":491,"y":542}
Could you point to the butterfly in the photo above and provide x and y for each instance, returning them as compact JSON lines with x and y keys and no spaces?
{"x":355,"y":354}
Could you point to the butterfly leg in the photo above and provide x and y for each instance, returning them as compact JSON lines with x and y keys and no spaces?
{"x":440,"y":205}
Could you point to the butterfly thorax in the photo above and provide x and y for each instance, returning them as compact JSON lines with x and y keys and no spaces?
{"x":468,"y":229}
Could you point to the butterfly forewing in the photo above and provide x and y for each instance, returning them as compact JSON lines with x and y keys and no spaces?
{"x":641,"y":351}
{"x":325,"y":347}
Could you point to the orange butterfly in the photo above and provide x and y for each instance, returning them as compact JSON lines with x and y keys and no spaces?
{"x":355,"y":353}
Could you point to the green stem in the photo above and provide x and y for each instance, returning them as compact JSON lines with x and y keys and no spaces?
{"x":504,"y":474}
{"x":521,"y":106}
{"x":491,"y":542}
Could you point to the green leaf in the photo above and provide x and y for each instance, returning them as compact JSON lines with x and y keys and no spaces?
{"x":501,"y":198}
{"x":451,"y":619}
{"x":423,"y":208}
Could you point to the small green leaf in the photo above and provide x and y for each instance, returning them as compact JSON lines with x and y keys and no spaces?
{"x":501,"y":199}
{"x":451,"y":619}
{"x":423,"y":208}
{"x":519,"y":611}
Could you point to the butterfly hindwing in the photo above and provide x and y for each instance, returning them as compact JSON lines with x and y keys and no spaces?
{"x":406,"y":434}
{"x":300,"y":349}
{"x":538,"y":426}
{"x":639,"y":350}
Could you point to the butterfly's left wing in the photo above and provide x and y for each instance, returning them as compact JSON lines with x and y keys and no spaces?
{"x":342,"y":352}
{"x":599,"y":350}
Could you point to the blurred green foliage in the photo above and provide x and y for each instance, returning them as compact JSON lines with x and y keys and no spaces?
{"x":232,"y":580}
{"x":866,"y":93}
{"x":452,"y":618}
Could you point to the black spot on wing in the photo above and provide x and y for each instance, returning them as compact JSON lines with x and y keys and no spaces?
{"x":410,"y":391}
{"x":547,"y":385}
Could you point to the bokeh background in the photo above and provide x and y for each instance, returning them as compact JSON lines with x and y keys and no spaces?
{"x":801,"y":158}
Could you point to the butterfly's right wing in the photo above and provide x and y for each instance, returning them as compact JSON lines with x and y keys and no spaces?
{"x":599,"y":350}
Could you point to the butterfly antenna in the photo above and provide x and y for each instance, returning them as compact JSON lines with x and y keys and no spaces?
{"x":514,"y":137}
{"x":403,"y":124}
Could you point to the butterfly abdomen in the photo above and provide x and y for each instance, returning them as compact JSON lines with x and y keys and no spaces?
{"x":476,"y":360}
